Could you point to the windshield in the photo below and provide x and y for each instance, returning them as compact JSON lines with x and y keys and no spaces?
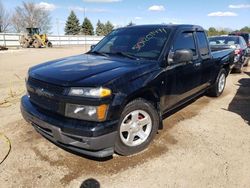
{"x":135,"y":42}
{"x":223,"y":41}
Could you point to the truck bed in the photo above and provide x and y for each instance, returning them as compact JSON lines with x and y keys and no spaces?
{"x":221,"y":53}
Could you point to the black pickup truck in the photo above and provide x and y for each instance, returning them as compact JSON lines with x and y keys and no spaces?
{"x":114,"y":97}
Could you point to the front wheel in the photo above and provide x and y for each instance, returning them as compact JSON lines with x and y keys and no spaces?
{"x":26,"y":45}
{"x":137,"y":127}
{"x":49,"y":44}
{"x":219,"y":85}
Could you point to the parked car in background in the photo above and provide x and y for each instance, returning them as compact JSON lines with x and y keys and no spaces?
{"x":246,"y":36}
{"x":231,"y":42}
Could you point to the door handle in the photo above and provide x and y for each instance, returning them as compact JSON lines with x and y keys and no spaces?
{"x":197,"y":64}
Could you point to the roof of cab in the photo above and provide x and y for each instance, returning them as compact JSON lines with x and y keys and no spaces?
{"x":174,"y":26}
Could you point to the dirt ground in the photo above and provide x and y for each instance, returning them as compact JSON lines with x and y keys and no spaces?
{"x":205,"y":144}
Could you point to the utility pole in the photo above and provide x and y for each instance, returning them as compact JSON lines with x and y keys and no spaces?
{"x":85,"y":38}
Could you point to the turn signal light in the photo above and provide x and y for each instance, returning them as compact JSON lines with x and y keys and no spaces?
{"x":101,"y":112}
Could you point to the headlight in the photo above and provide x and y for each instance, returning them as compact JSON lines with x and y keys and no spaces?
{"x":90,"y":92}
{"x":26,"y":81}
{"x":83,"y":112}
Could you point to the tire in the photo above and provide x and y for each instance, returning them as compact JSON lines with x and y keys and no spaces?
{"x":49,"y":44}
{"x":217,"y":89}
{"x":37,"y":44}
{"x":238,"y":70}
{"x":133,"y":137}
{"x":247,"y":62}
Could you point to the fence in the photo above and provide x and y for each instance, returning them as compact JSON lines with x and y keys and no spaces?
{"x":12,"y":39}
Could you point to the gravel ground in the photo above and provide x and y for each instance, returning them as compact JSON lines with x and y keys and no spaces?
{"x":204,"y":144}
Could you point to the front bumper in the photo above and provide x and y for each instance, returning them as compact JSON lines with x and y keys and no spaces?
{"x":88,"y":138}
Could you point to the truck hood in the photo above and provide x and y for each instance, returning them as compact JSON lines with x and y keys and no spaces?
{"x":87,"y":70}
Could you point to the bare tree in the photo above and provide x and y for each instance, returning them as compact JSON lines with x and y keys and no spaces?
{"x":4,"y":18}
{"x":31,"y":15}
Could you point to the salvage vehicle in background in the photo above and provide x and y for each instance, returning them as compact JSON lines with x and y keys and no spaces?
{"x":114,"y":98}
{"x":245,"y":35}
{"x":33,"y":38}
{"x":232,"y":42}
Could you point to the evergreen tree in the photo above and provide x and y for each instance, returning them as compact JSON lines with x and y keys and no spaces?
{"x":100,"y":28}
{"x":72,"y":26}
{"x":108,"y":27}
{"x":87,"y":27}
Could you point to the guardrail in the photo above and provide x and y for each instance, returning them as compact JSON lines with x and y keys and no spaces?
{"x":12,"y":39}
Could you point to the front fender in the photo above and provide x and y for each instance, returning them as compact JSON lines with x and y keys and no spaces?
{"x":147,"y":87}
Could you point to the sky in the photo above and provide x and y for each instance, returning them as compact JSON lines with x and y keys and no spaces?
{"x":233,"y":14}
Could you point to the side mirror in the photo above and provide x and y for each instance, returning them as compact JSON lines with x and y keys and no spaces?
{"x":183,"y":55}
{"x":92,"y":47}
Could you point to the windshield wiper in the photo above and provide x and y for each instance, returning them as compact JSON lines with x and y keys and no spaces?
{"x":125,"y":55}
{"x":99,"y":53}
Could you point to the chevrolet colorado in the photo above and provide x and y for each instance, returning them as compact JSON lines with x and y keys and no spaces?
{"x":113,"y":98}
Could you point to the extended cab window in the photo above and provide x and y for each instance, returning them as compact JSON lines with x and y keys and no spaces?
{"x":202,"y":42}
{"x":185,"y":41}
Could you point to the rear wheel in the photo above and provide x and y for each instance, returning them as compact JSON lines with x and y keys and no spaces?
{"x":219,"y":85}
{"x":247,"y":62}
{"x":137,"y":127}
{"x":238,"y":70}
{"x":37,"y":44}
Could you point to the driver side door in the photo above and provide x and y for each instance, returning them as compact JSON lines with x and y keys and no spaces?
{"x":182,"y":80}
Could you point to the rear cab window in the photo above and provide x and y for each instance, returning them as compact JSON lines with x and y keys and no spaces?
{"x":202,"y":44}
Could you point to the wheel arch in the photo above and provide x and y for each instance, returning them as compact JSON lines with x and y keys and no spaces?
{"x":150,"y":95}
{"x":226,"y":67}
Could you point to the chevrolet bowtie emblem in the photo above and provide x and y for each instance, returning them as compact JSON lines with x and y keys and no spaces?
{"x":42,"y":92}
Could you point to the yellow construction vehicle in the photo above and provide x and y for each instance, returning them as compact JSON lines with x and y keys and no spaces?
{"x":33,"y":38}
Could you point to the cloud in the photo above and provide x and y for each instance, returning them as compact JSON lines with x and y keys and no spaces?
{"x":101,"y":1}
{"x":222,"y":14}
{"x":82,"y":9}
{"x":138,"y":18}
{"x":156,"y":8}
{"x":239,"y":6}
{"x":46,"y":6}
